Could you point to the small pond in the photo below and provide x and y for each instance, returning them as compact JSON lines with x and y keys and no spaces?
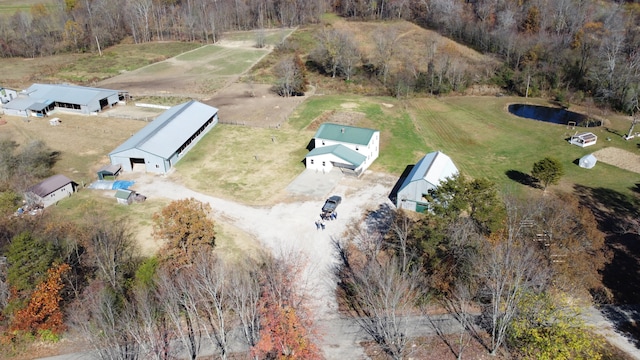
{"x":552,"y":115}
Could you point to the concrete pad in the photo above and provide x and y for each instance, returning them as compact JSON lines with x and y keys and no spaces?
{"x":315,"y":184}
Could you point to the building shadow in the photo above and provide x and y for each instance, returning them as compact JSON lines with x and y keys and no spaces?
{"x":393,"y":196}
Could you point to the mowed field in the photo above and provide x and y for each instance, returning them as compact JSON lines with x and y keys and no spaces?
{"x":254,"y":165}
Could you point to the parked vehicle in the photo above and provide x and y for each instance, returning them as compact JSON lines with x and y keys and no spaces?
{"x":330,"y":206}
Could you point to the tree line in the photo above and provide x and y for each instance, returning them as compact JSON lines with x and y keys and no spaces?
{"x":511,"y":268}
{"x":573,"y":50}
{"x":88,"y":277}
{"x":570,"y":50}
{"x":85,"y":25}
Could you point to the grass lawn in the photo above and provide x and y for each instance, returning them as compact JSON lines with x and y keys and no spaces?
{"x":10,"y":7}
{"x":481,"y":137}
{"x":120,"y":58}
{"x":245,"y":164}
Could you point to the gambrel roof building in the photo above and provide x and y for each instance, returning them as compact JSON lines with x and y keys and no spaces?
{"x":427,"y":174}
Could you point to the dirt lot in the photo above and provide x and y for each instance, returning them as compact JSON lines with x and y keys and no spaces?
{"x":619,"y":158}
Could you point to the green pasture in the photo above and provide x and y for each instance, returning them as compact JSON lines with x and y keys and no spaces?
{"x":120,"y":58}
{"x":10,"y":7}
{"x":248,"y":164}
{"x":481,"y":137}
{"x":272,"y":37}
{"x":200,"y":53}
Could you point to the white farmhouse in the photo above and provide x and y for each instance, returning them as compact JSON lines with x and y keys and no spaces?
{"x":427,"y":174}
{"x":352,"y":149}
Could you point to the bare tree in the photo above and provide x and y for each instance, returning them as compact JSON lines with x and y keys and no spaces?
{"x":244,"y":299}
{"x":291,"y":75}
{"x":380,"y":292}
{"x":384,"y":51}
{"x":208,"y":275}
{"x":506,"y":271}
{"x":149,"y":325}
{"x":102,"y":320}
{"x":111,"y":250}
{"x":180,"y":306}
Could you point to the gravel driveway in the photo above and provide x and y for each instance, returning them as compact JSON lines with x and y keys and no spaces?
{"x":289,"y":228}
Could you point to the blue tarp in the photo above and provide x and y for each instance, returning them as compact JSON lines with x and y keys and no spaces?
{"x":121,"y":184}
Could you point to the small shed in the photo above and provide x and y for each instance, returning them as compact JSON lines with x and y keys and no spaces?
{"x":583,"y":139}
{"x":50,"y":190}
{"x":587,"y":161}
{"x":109,"y":172}
{"x":124,"y":196}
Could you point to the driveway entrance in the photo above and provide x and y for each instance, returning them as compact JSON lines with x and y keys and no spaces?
{"x":314,"y":183}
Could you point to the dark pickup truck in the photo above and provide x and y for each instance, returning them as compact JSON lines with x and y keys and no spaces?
{"x":330,"y":205}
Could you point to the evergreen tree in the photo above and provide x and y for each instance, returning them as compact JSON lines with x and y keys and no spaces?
{"x":29,"y":259}
{"x":548,"y":171}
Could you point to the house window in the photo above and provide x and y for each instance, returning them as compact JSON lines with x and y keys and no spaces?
{"x":311,"y":161}
{"x":323,"y":163}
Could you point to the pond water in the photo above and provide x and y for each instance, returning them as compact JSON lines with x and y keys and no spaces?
{"x":552,"y":115}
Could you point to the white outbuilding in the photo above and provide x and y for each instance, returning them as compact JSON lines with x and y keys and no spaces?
{"x":350,"y":148}
{"x":162,"y":143}
{"x":584,"y":139}
{"x":427,"y":174}
{"x":587,"y":161}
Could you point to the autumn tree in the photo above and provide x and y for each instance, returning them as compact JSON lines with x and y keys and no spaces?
{"x":286,"y":326}
{"x":187,"y":229}
{"x":548,"y":327}
{"x":43,"y":311}
{"x":547,"y":171}
{"x":567,"y":237}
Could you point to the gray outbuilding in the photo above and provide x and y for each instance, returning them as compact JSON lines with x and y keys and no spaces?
{"x":427,"y":174}
{"x":41,"y":99}
{"x":162,"y":143}
{"x":50,"y":190}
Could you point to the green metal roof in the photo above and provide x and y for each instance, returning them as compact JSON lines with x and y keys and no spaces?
{"x":123,"y":194}
{"x":341,"y":151}
{"x":345,"y":133}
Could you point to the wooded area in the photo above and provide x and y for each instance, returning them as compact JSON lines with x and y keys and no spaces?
{"x":570,"y":50}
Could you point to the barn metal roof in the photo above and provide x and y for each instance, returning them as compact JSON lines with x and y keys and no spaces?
{"x":345,"y":133}
{"x":434,"y":168}
{"x":20,"y":103}
{"x":341,"y":151}
{"x":164,"y":135}
{"x":110,"y":169}
{"x":49,"y":185}
{"x":123,"y":194}
{"x":65,"y":93}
